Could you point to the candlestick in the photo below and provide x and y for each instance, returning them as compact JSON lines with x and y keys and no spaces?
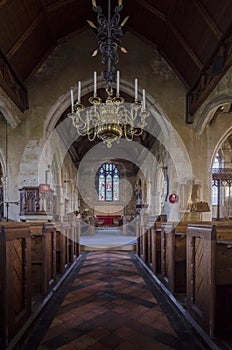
{"x":72,"y":99}
{"x":117,"y":82}
{"x":144,"y":98}
{"x":136,"y":89}
{"x":79,"y":92}
{"x":95,"y":83}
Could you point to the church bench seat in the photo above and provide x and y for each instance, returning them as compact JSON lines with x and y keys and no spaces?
{"x":149,"y":246}
{"x":28,"y":268}
{"x":43,"y":257}
{"x":15,"y":279}
{"x":67,"y":245}
{"x":209,"y":277}
{"x":173,"y":255}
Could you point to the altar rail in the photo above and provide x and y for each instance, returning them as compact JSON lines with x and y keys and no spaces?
{"x":195,"y":261}
{"x":33,"y":258}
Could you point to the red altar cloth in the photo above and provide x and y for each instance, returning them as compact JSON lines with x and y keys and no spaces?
{"x":108,"y":219}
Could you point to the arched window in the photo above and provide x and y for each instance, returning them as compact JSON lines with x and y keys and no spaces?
{"x":108,"y":182}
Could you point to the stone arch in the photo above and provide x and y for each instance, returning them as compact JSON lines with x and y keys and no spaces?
{"x":3,"y":163}
{"x":218,"y":145}
{"x":9,"y":112}
{"x":206,"y":114}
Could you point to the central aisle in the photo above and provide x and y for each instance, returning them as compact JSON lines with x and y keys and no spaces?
{"x":109,"y":302}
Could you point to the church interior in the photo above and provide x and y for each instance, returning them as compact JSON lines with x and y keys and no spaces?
{"x":115,"y":174}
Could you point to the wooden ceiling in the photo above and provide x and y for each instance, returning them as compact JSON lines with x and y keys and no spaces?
{"x":194,"y":36}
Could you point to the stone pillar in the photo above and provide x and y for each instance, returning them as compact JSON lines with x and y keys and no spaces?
{"x":124,"y":226}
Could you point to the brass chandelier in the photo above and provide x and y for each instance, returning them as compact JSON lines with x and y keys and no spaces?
{"x":113,"y":118}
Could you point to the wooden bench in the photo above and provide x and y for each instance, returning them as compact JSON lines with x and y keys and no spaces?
{"x":43,"y":257}
{"x":67,"y":245}
{"x":173,"y":257}
{"x":156,"y":247}
{"x":209,"y":277}
{"x":149,"y":245}
{"x":15,"y":279}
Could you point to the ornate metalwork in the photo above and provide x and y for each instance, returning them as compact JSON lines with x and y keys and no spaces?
{"x":109,"y":34}
{"x":109,"y":120}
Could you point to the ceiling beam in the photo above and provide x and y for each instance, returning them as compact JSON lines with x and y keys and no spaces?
{"x":58,"y":4}
{"x":12,"y":85}
{"x":178,"y":35}
{"x":25,"y":35}
{"x":186,"y":46}
{"x":220,"y":63}
{"x":208,"y":19}
{"x":153,"y":10}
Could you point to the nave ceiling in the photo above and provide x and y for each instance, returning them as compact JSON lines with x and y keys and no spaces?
{"x":193,"y":36}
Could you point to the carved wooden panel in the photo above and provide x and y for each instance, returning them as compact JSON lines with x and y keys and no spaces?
{"x":15,"y":279}
{"x":167,"y":256}
{"x":200,"y":275}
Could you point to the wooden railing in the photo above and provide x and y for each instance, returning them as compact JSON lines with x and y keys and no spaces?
{"x":33,"y":258}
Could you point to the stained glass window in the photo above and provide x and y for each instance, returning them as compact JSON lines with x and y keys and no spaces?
{"x":108,"y":182}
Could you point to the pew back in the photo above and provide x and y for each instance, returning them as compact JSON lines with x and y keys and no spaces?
{"x":15,"y":272}
{"x":43,"y":257}
{"x":209,"y":276}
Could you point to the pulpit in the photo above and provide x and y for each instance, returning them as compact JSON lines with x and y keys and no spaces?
{"x":36,"y":203}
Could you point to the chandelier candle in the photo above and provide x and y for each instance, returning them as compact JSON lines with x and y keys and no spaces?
{"x":144,"y":101}
{"x":136,"y":90}
{"x":72,"y":99}
{"x":95,"y":83}
{"x":79,"y":92}
{"x":117,"y":92}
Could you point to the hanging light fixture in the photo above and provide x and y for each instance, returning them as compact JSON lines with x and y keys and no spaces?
{"x":113,"y":118}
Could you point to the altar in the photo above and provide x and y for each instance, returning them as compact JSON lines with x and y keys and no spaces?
{"x":108,"y":220}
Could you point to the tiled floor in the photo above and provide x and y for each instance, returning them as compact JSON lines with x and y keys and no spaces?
{"x":109,"y":302}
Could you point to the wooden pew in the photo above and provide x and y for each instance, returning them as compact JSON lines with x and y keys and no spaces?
{"x":156,"y":247}
{"x":43,"y":257}
{"x":15,"y":279}
{"x":149,"y":245}
{"x":67,"y":245}
{"x":209,"y":277}
{"x":173,"y":256}
{"x":142,"y":244}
